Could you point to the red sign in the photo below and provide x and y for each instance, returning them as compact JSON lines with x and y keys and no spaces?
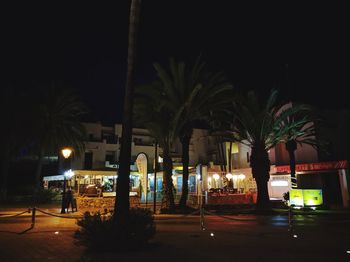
{"x":315,"y":166}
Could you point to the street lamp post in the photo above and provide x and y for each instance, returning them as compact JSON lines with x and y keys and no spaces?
{"x":66,"y":152}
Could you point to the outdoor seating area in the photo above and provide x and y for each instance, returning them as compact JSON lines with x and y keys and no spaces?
{"x":215,"y":198}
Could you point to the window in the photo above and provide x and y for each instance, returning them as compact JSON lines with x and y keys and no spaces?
{"x":192,"y":184}
{"x":110,"y":157}
{"x":159,"y":184}
{"x":179,"y":184}
{"x":88,"y":160}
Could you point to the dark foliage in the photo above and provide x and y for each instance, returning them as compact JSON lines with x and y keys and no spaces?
{"x":98,"y":231}
{"x":45,"y":196}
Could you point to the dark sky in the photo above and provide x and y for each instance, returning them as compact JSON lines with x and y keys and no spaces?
{"x":86,"y":47}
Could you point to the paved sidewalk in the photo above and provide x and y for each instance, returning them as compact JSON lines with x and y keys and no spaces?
{"x":178,"y":238}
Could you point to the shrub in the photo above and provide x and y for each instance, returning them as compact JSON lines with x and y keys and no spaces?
{"x":98,"y":232}
{"x":45,"y":196}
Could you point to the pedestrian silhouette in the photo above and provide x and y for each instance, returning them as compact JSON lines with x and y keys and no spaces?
{"x":69,"y":199}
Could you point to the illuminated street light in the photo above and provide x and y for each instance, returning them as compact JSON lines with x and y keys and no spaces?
{"x":66,"y":152}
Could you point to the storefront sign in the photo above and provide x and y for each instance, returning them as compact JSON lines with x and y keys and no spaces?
{"x":315,"y":166}
{"x":305,"y":197}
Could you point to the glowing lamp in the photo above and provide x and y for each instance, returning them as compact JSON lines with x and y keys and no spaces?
{"x":69,"y":174}
{"x":229,"y":176}
{"x":216,"y":176}
{"x":241,"y":176}
{"x":66,"y":152}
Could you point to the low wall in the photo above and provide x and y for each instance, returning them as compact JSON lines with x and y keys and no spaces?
{"x":233,"y":199}
{"x":101,"y":203}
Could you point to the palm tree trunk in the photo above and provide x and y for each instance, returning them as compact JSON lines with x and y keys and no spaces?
{"x":291,"y":146}
{"x":230,"y":158}
{"x":260,"y":165}
{"x":221,"y":157}
{"x":168,"y":197}
{"x":122,"y":203}
{"x":185,"y":141}
{"x":3,"y":181}
{"x":38,"y":170}
{"x":223,"y":154}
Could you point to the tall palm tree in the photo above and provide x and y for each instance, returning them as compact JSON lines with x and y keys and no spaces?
{"x":151,"y":112}
{"x":192,"y":94}
{"x":261,"y":127}
{"x":303,"y":132}
{"x":122,"y":204}
{"x":11,"y":110}
{"x":56,"y":118}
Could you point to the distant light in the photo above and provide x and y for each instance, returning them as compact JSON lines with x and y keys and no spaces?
{"x":295,"y":236}
{"x":348,"y":251}
{"x":241,"y":176}
{"x":211,"y":234}
{"x":279,"y":183}
{"x":69,"y":174}
{"x":297,"y":207}
{"x":216,"y":176}
{"x":229,"y":176}
{"x":313,"y":208}
{"x":56,"y":233}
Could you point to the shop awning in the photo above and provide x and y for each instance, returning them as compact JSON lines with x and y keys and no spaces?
{"x":53,"y":178}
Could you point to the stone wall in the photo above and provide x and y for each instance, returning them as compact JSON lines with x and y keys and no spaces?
{"x":102,"y":203}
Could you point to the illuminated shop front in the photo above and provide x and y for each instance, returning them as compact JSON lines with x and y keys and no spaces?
{"x":238,"y":187}
{"x":332,"y":178}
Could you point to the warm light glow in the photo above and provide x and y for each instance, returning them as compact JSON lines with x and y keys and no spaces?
{"x":229,"y":176}
{"x":211,"y":234}
{"x":279,"y":183}
{"x":56,"y":233}
{"x":295,"y":236}
{"x":209,"y":179}
{"x":216,"y":176}
{"x":241,"y":176}
{"x":66,"y":152}
{"x":234,"y":177}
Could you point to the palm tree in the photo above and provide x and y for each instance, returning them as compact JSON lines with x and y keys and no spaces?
{"x":192,"y":94}
{"x":122,"y":204}
{"x":11,"y":109}
{"x":151,"y":112}
{"x":303,"y":132}
{"x":56,"y":118}
{"x":261,"y":127}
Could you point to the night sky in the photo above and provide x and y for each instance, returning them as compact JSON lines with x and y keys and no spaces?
{"x":86,"y":48}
